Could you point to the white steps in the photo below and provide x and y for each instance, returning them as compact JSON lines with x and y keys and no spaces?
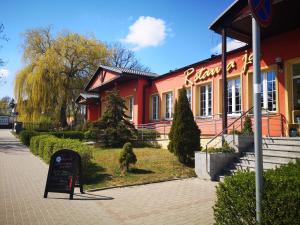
{"x":276,"y":152}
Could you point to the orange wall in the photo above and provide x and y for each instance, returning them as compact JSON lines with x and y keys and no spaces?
{"x":102,"y":77}
{"x":286,"y":46}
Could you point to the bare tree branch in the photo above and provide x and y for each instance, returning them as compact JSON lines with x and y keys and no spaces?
{"x":125,"y":58}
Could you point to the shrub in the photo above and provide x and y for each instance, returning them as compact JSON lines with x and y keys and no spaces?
{"x":147,"y":134}
{"x":91,"y":134}
{"x":247,"y":128}
{"x":87,"y":125}
{"x":26,"y":135}
{"x":68,"y":134}
{"x":185,"y":134}
{"x":35,"y":142}
{"x":224,"y":149}
{"x":45,"y":145}
{"x":127,"y":157}
{"x":280,"y":198}
{"x":237,"y":132}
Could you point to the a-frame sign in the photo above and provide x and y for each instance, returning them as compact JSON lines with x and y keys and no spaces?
{"x":64,"y":173}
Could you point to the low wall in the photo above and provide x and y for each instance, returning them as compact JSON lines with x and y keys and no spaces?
{"x":216,"y":162}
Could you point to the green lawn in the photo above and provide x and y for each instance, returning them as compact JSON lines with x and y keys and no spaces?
{"x":152,"y":165}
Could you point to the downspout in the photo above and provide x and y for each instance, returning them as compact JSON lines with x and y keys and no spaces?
{"x":145,"y":86}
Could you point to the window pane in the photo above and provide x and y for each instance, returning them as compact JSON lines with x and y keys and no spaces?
{"x":237,"y":96}
{"x":296,"y":69}
{"x":155,"y":107}
{"x":169,"y":105}
{"x":271,"y":90}
{"x":203,"y":100}
{"x":209,"y":100}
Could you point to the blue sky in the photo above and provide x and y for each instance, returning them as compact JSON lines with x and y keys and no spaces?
{"x":181,"y":29}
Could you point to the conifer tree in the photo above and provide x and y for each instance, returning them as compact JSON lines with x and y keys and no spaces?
{"x":170,"y":145}
{"x":115,"y":127}
{"x":127,"y":157}
{"x":185,"y":134}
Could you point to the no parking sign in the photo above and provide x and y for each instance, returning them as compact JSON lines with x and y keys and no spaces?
{"x":261,"y":11}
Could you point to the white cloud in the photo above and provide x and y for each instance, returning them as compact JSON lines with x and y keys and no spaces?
{"x":146,"y":32}
{"x":231,"y":45}
{"x":4,"y":72}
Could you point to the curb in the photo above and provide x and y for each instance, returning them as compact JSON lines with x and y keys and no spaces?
{"x":140,"y":184}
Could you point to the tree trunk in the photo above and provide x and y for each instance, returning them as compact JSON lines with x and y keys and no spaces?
{"x":63,"y":116}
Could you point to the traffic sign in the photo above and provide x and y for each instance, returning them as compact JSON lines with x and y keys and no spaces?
{"x":262,"y":11}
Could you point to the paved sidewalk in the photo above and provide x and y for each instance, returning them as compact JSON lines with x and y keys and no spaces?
{"x":22,"y":182}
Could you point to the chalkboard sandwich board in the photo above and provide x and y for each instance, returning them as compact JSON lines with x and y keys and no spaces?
{"x":64,"y":173}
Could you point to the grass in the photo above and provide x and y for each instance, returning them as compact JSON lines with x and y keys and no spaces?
{"x":152,"y":165}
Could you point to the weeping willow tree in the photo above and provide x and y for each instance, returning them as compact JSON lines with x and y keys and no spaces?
{"x":55,"y":72}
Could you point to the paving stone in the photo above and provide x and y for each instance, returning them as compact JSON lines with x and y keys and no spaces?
{"x":23,"y":177}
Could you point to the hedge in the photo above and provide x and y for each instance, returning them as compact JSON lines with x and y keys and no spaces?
{"x":68,"y":134}
{"x":26,"y":135}
{"x":280,"y":203}
{"x":45,"y":145}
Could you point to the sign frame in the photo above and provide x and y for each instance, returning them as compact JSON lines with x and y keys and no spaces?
{"x":256,"y":9}
{"x":76,"y":174}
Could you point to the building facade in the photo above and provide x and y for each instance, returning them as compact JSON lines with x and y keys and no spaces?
{"x":150,"y":97}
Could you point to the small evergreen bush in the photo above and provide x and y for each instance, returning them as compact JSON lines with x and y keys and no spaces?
{"x":247,"y":128}
{"x":185,"y":134}
{"x":280,"y":198}
{"x":127,"y":157}
{"x":26,"y":135}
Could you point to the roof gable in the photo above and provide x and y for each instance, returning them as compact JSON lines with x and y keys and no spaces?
{"x":105,"y":74}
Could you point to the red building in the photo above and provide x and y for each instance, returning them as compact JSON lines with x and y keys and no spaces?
{"x":150,"y":97}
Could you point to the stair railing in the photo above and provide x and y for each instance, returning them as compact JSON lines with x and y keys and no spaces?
{"x":223,"y":132}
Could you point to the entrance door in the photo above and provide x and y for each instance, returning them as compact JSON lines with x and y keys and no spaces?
{"x":296,"y":92}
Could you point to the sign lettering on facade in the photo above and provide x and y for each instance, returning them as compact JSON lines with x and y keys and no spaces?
{"x":204,"y":72}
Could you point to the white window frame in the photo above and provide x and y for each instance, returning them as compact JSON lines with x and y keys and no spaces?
{"x":233,"y":106}
{"x":207,"y":114}
{"x":295,"y":76}
{"x":264,"y":83}
{"x":169,"y":106}
{"x":131,"y":107}
{"x":155,"y":105}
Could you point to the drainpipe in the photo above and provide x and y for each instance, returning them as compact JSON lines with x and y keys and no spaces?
{"x":145,"y":86}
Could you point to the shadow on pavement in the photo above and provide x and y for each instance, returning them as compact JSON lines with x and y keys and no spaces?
{"x":84,"y":196}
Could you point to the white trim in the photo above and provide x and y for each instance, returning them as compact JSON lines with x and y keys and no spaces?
{"x":264,"y":76}
{"x":206,"y":86}
{"x":233,"y":96}
{"x":296,"y":77}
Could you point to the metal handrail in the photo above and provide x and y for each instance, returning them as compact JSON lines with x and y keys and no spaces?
{"x":222,"y":132}
{"x":243,"y":115}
